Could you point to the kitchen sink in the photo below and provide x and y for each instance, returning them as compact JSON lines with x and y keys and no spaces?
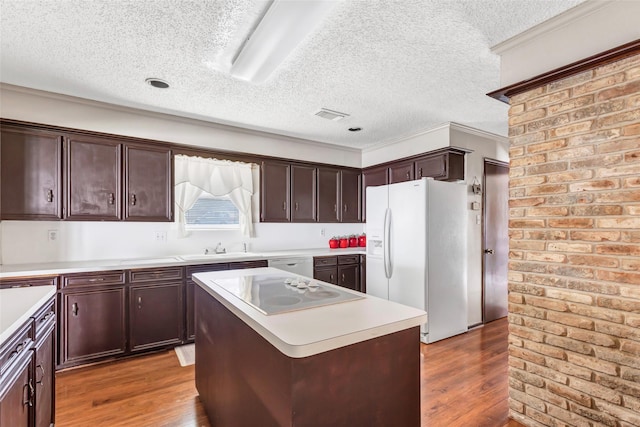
{"x":213,"y":256}
{"x":150,"y":260}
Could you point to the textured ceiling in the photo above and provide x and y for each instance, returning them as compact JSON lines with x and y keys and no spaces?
{"x":396,"y":67}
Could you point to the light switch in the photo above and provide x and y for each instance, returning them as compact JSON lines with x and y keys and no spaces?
{"x":475,"y":206}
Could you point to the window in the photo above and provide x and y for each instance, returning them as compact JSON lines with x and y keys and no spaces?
{"x":210,"y":212}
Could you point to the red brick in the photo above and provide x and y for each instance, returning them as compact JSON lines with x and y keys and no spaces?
{"x":571,"y":223}
{"x":604,"y":184}
{"x":618,"y":91}
{"x":595,"y":236}
{"x":571,"y":104}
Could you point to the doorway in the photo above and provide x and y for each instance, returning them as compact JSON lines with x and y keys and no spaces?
{"x":495,"y":236}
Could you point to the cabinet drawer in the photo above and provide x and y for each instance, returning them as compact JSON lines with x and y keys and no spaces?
{"x":28,"y":281}
{"x":325,"y":260}
{"x":44,"y":318}
{"x":94,"y":279}
{"x":248,"y":264}
{"x":192,"y":269}
{"x":15,"y":346}
{"x":348,"y":259}
{"x":155,"y":274}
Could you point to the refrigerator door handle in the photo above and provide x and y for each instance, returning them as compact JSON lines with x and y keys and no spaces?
{"x":387,"y":243}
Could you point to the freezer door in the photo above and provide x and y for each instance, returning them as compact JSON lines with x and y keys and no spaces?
{"x":377,"y":202}
{"x":407,"y":202}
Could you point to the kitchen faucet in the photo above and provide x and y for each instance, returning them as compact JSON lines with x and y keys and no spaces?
{"x":218,"y":250}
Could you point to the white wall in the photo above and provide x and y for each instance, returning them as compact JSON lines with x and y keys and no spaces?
{"x":26,"y":241}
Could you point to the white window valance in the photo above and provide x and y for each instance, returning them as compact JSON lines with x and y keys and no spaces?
{"x":195,"y":175}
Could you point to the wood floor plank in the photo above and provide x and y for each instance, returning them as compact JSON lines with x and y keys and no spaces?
{"x":463,"y":384}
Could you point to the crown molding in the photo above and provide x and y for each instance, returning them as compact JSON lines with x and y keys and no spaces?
{"x":552,"y":24}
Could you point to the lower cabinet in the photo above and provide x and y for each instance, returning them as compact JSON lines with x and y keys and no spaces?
{"x":342,"y":270}
{"x":15,"y":395}
{"x":27,"y":379}
{"x":92,"y":324}
{"x":156,"y":315}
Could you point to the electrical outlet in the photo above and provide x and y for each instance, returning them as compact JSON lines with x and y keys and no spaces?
{"x":323,"y":231}
{"x":161,"y":236}
{"x":52,"y":235}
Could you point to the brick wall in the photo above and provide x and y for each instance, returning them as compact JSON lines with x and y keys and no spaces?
{"x":574,"y":268}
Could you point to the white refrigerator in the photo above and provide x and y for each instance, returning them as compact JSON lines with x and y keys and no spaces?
{"x":417,"y":251}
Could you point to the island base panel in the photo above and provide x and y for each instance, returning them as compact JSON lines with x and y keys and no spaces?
{"x":243,"y":380}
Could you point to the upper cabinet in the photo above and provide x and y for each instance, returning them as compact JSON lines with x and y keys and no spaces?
{"x":30,"y":174}
{"x":401,"y":172}
{"x":298,"y":192}
{"x":303,"y":193}
{"x":338,"y":195}
{"x":93,"y":178}
{"x":148,"y":183}
{"x":275,"y":187}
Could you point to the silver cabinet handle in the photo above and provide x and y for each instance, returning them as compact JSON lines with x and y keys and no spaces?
{"x":345,"y":207}
{"x":41,"y":380}
{"x":488,"y":251}
{"x":132,"y":199}
{"x":284,"y":206}
{"x":112,"y":198}
{"x":74,"y":308}
{"x":49,"y":195}
{"x":139,"y":302}
{"x":296,"y":205}
{"x":420,"y":173}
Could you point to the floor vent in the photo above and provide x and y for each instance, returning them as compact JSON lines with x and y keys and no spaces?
{"x":331,"y":115}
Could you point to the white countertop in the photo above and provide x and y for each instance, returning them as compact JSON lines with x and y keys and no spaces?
{"x":54,"y":268}
{"x":315,"y":330}
{"x":18,"y":304}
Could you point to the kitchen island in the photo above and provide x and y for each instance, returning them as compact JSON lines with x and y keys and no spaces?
{"x":346,"y":363}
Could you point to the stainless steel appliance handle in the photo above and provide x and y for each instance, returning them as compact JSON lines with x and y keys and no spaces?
{"x":387,"y":244}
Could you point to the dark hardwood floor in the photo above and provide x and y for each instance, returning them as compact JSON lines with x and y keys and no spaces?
{"x":463,"y":380}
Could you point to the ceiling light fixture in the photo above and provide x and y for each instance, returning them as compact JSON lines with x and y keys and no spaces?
{"x":333,"y":115}
{"x":157,"y":83}
{"x":284,"y":25}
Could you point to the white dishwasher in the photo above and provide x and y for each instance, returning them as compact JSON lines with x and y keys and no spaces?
{"x":302,"y":265}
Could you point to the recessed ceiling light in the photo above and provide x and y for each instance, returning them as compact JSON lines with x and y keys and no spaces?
{"x":158,"y":83}
{"x":355,"y":129}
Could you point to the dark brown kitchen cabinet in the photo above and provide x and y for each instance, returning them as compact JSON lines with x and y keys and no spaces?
{"x":338,"y":195}
{"x":401,"y":172}
{"x":372,"y":178}
{"x":342,"y":270}
{"x":350,"y":196}
{"x":148,"y":183}
{"x":275,"y":183}
{"x":446,"y":166}
{"x":16,"y":399}
{"x":93,"y":178}
{"x":303,"y":193}
{"x":92,"y":324}
{"x":30,"y":174}
{"x":328,"y":195}
{"x":189,"y":292}
{"x":26,"y":372}
{"x":44,"y":379}
{"x":156,"y":315}
{"x":363,"y":274}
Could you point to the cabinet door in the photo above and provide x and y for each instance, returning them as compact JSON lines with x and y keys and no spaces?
{"x":190,"y":291}
{"x":43,"y":377}
{"x":16,"y":399}
{"x":93,"y":179}
{"x":350,"y":196}
{"x":363,"y":274}
{"x":148,"y":180}
{"x":372,"y":178}
{"x":349,"y":276}
{"x":431,"y":166}
{"x":326,"y":274}
{"x":274,"y":194}
{"x":303,"y":193}
{"x":92,"y":325}
{"x":30,"y":174}
{"x":401,"y":172}
{"x":155,"y":315}
{"x":328,"y":195}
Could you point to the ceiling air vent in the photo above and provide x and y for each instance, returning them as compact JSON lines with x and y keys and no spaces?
{"x":330,"y":114}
